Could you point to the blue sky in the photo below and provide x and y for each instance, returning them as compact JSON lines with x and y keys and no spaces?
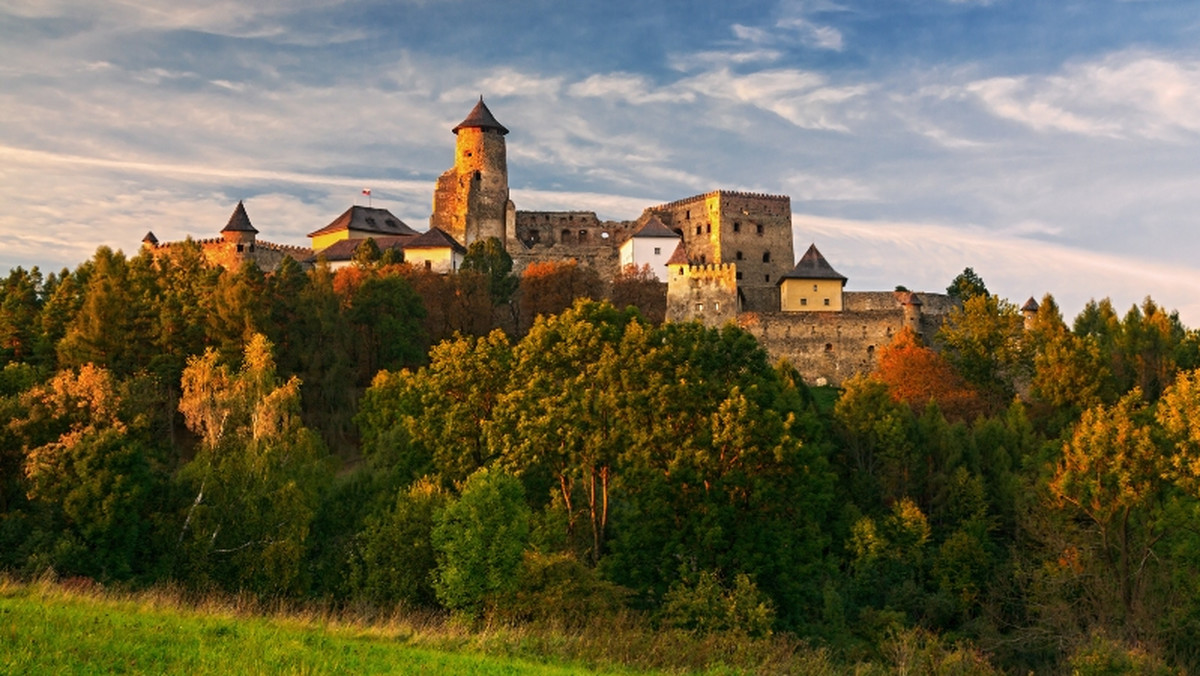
{"x":1052,"y":145}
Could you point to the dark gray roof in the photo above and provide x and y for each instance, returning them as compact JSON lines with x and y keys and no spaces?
{"x":813,"y":265}
{"x":150,"y":238}
{"x":436,"y":238}
{"x":367,"y":219}
{"x":239,"y":221}
{"x":1030,"y":305}
{"x":343,"y":250}
{"x":481,"y":118}
{"x":655,"y":228}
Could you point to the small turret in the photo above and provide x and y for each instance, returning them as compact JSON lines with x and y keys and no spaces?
{"x":911,"y":303}
{"x":149,"y":241}
{"x":1029,"y":311}
{"x":239,"y":230}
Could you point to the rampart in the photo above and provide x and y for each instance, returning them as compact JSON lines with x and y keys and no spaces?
{"x":704,"y":293}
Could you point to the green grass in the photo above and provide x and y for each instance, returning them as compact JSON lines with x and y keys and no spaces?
{"x":46,"y":629}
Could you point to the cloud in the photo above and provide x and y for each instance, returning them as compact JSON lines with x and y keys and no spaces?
{"x":628,"y":87}
{"x":1124,"y":95}
{"x":801,"y":97}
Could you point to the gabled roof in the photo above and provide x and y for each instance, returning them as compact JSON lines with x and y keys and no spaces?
{"x":679,"y":257}
{"x":655,"y":228}
{"x":481,"y":118}
{"x":367,"y":219}
{"x":436,"y":238}
{"x":239,"y":221}
{"x":343,"y":249}
{"x":1030,"y":305}
{"x":813,"y":265}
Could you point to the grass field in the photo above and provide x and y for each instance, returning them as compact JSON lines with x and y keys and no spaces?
{"x":45,"y":629}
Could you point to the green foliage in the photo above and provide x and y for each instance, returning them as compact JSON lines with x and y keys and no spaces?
{"x":702,"y":604}
{"x":479,"y":540}
{"x":394,"y":558}
{"x":257,"y":478}
{"x":984,"y":342}
{"x":489,"y":257}
{"x":968,"y":284}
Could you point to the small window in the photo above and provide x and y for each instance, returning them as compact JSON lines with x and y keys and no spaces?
{"x":658,"y":251}
{"x":814,"y":287}
{"x":699,"y":307}
{"x":370,"y":220}
{"x":738,"y":274}
{"x":717,"y":306}
{"x":239,"y":248}
{"x":738,"y":255}
{"x":737,"y":226}
{"x":870,"y":349}
{"x":758,"y":228}
{"x":687,"y":214}
{"x":829,"y":347}
{"x":703,"y":259}
{"x":468,"y":153}
{"x":766,"y":278}
{"x":766,"y":256}
{"x":534,"y":236}
{"x":478,"y":175}
{"x":826,"y":302}
{"x":803,"y":301}
{"x":566,"y":235}
{"x":428,"y":264}
{"x":708,"y":227}
{"x":697,"y":230}
{"x":582,"y":235}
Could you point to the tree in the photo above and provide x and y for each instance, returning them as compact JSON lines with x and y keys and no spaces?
{"x":394,"y":557}
{"x":639,"y":287}
{"x":984,"y":342}
{"x":967,"y":285}
{"x":491,"y":259}
{"x":386,"y":313}
{"x":551,"y":287}
{"x":256,"y":479}
{"x":20,"y":309}
{"x":916,"y":375}
{"x":479,"y":539}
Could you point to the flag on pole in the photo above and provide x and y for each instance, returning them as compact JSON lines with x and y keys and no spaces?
{"x":367,"y":192}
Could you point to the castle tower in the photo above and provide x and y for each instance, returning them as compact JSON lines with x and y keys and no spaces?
{"x":238,"y":230}
{"x":471,"y":199}
{"x":1029,"y":311}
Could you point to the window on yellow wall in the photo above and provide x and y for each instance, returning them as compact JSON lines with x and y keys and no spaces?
{"x":804,"y":301}
{"x":826,"y":302}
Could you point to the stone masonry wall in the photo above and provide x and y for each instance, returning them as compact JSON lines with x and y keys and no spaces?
{"x":704,"y":293}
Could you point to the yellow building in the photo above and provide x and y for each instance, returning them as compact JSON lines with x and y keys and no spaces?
{"x":812,"y":286}
{"x":360,"y":223}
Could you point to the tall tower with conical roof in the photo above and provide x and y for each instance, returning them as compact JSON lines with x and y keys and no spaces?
{"x":471,"y":199}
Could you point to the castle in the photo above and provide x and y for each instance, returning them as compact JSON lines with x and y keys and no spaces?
{"x":722,"y":256}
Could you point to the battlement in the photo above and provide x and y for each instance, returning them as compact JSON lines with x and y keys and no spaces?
{"x":709,"y":271}
{"x":720,"y":193}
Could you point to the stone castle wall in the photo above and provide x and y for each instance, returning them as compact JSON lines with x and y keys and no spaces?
{"x":231,"y":255}
{"x":546,"y":236}
{"x":750,"y":230}
{"x":704,"y":293}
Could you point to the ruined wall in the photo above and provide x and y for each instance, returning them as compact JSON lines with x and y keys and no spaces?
{"x":544,"y":236}
{"x":471,"y":198}
{"x":704,"y":293}
{"x":751,"y":230}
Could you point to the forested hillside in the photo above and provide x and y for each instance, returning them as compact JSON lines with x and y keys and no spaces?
{"x":386,"y":437}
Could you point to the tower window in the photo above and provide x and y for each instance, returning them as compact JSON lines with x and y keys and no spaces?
{"x":829,"y":347}
{"x":708,"y":227}
{"x":468,"y":153}
{"x":582,"y":235}
{"x":699,"y":307}
{"x":239,"y":248}
{"x":737,"y":226}
{"x":738,"y":274}
{"x":703,"y":259}
{"x":566,"y":235}
{"x":758,"y":228}
{"x":766,"y":278}
{"x":738,"y":255}
{"x":766,"y":256}
{"x":478,"y":175}
{"x":687,"y":214}
{"x":697,"y":230}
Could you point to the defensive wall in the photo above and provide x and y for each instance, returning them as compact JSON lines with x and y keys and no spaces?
{"x":704,"y":293}
{"x":829,"y":347}
{"x":231,"y":255}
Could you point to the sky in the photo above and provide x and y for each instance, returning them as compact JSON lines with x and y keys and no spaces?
{"x":1051,"y":145}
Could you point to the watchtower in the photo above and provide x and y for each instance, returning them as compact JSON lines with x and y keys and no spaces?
{"x":471,"y":199}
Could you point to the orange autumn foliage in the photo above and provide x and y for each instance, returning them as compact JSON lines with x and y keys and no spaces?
{"x":916,"y":375}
